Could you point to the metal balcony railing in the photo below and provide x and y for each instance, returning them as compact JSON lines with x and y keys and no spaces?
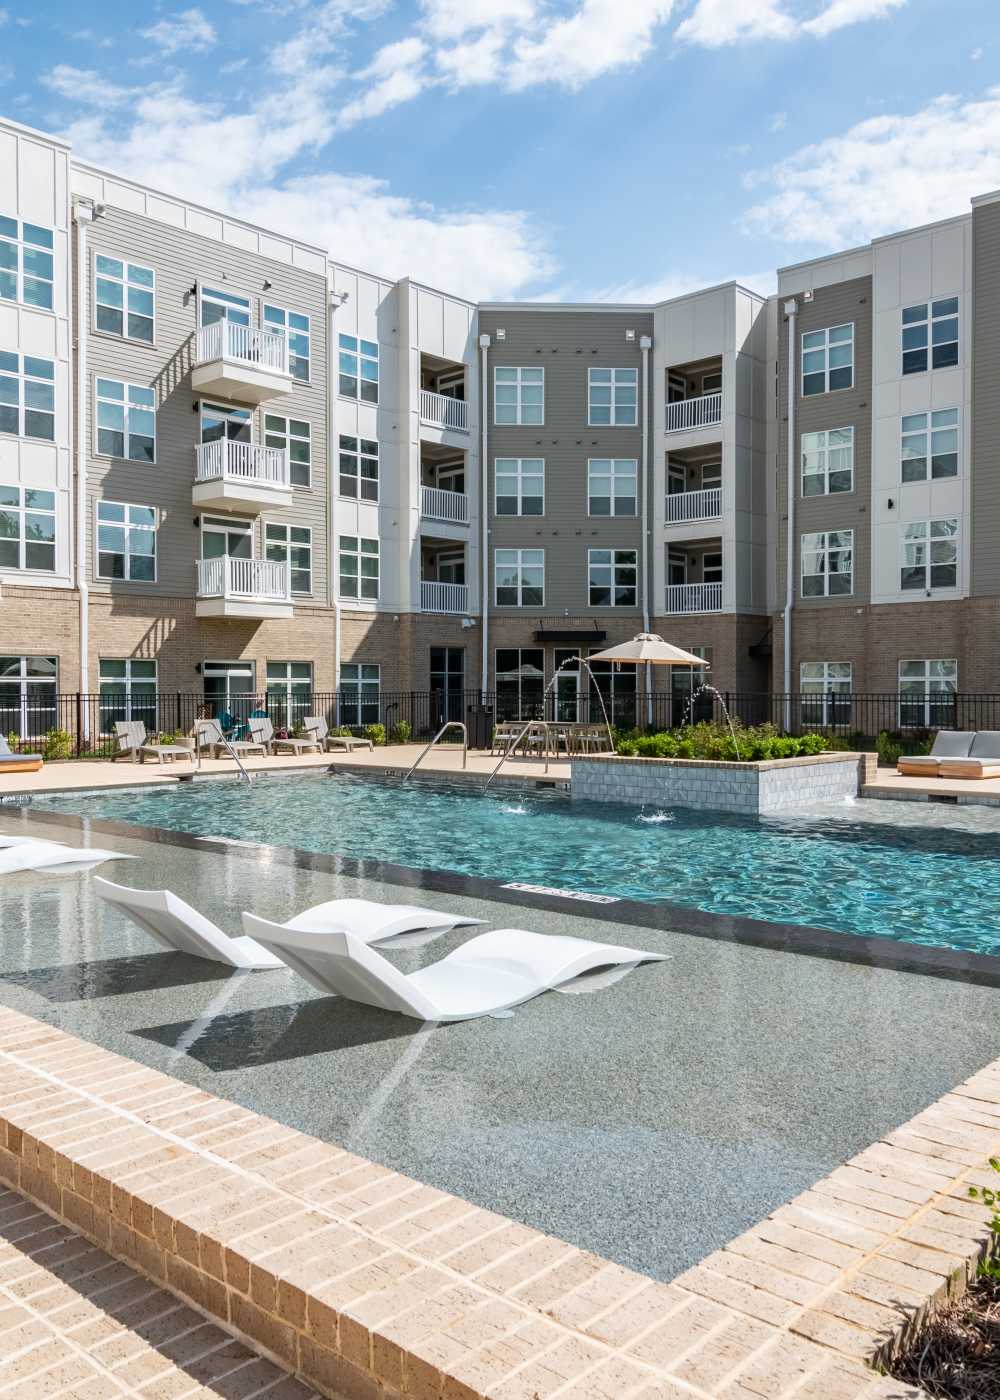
{"x":694,"y":505}
{"x":437,"y":504}
{"x":244,"y":463}
{"x":694,"y":413}
{"x":444,"y":412}
{"x":443,"y":597}
{"x":265,"y":580}
{"x":257,"y":349}
{"x":693,"y":598}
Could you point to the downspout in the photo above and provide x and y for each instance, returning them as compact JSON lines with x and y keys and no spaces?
{"x":645,"y":345}
{"x":484,"y":478}
{"x":791,"y":311}
{"x":337,"y":300}
{"x":83,"y":214}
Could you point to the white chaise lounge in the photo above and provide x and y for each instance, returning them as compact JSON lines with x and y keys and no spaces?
{"x":317,"y":725}
{"x":175,"y":924}
{"x":949,"y":744}
{"x":53,"y":858}
{"x":490,"y":973}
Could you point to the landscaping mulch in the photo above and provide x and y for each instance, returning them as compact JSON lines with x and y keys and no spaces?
{"x":956,"y":1356}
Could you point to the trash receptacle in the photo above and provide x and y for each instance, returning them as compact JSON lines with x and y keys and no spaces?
{"x":479,"y":723}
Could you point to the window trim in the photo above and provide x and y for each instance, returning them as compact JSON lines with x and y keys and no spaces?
{"x":288,"y":435}
{"x":520,"y":552}
{"x":519,"y":420}
{"x":19,"y":273}
{"x":519,"y":513}
{"x":126,"y":525}
{"x":825,"y":474}
{"x":926,"y":701}
{"x":614,"y":371}
{"x":613,"y":514}
{"x":247,"y":296}
{"x":929,"y":430}
{"x":826,"y":698}
{"x":359,"y":356}
{"x":359,"y":554}
{"x":930,"y":539}
{"x":21,"y":510}
{"x":267,"y":325}
{"x":123,"y":335}
{"x":613,"y":551}
{"x":126,"y":385}
{"x":357,"y":454}
{"x":803,"y":351}
{"x":22,"y":681}
{"x":929,"y":323}
{"x":826,"y":575}
{"x":124,"y":697}
{"x":358,"y":684}
{"x":288,"y":526}
{"x":22,"y":405}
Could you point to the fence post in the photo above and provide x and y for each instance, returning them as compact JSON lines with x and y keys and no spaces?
{"x":79,"y":724}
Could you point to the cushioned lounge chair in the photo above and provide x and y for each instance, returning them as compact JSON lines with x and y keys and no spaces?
{"x":317,"y":725}
{"x":134,"y":744}
{"x":54,"y":859}
{"x":177,"y":925}
{"x":948,"y":744}
{"x":17,"y":762}
{"x":983,"y":760}
{"x":263,"y":730}
{"x":490,"y":973}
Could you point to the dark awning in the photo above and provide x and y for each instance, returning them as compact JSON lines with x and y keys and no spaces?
{"x":571,"y":635}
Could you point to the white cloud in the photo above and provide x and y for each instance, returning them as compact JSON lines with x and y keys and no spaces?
{"x":601,"y":35}
{"x":886,"y":173}
{"x":188,"y":30}
{"x":676,"y":284}
{"x":976,"y":55}
{"x":843,"y":12}
{"x":778,"y":122}
{"x":86,"y":86}
{"x":452,"y":19}
{"x":713,"y":23}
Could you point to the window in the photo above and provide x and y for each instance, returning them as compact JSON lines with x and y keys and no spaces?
{"x":126,"y":542}
{"x":518,"y":395}
{"x":215,"y":305}
{"x":520,"y":682}
{"x":930,"y":441}
{"x":128,"y":692}
{"x":616,"y":686}
{"x":28,"y":694}
{"x":611,"y":576}
{"x":218,"y":422}
{"x":828,"y":359}
{"x":823,"y":686}
{"x":519,"y":576}
{"x":712,"y":383}
{"x":690,"y":702}
{"x":927,"y":694}
{"x":613,"y":398}
{"x":448,"y":683}
{"x":291,"y":545}
{"x":27,"y":528}
{"x":294,"y":326}
{"x":27,"y":396}
{"x":828,"y":462}
{"x":359,"y":468}
{"x":611,"y":485}
{"x":711,"y":567}
{"x":930,"y":326}
{"x":358,"y":368}
{"x":295,"y":436}
{"x":359,"y":694}
{"x":124,"y":298}
{"x":827,"y":564}
{"x":229,"y":685}
{"x":520,"y":485}
{"x":223,"y":538}
{"x":930,"y":555}
{"x":358,"y":567}
{"x":26,"y":263}
{"x":126,"y":421}
{"x":289,"y":690}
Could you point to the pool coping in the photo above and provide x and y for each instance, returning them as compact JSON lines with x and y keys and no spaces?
{"x":950,"y":964}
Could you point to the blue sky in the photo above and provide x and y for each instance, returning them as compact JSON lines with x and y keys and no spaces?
{"x":576,"y":149}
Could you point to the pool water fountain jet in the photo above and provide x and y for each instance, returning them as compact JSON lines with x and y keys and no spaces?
{"x":689,"y":707}
{"x":580,"y":661}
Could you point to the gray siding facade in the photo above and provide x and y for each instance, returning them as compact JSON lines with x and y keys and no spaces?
{"x":985,"y":468}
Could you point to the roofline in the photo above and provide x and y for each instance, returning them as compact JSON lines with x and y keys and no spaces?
{"x":889,"y":237}
{"x":395,"y":281}
{"x":636,"y":306}
{"x":33,"y":131}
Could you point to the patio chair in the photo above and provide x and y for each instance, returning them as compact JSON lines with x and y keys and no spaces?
{"x":263,"y":730}
{"x":17,"y":762}
{"x":490,"y":973}
{"x":983,"y":759}
{"x":208,"y":735}
{"x":316,"y":724}
{"x":54,"y":859}
{"x":133,"y":744}
{"x":949,"y":744}
{"x":175,"y":924}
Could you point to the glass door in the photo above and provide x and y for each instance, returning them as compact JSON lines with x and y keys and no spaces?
{"x":220,"y":537}
{"x":216,"y":305}
{"x":217,"y":422}
{"x":229,"y":693}
{"x":567,"y":687}
{"x":447,"y":683}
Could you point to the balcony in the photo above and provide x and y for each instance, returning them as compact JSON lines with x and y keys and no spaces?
{"x":243,"y":476}
{"x":693,"y":598}
{"x":442,"y":411}
{"x":439,"y":504}
{"x":684,"y":506}
{"x":444,"y":597}
{"x":243,"y":588}
{"x":239,"y":362}
{"x":701,"y":412}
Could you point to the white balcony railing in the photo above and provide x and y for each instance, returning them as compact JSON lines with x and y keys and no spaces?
{"x":436,"y":504}
{"x":695,"y":505}
{"x":226,"y":340}
{"x":694,"y":413}
{"x":444,"y":412}
{"x":693,"y":598}
{"x":264,"y":580}
{"x":443,"y":597}
{"x":243,"y":463}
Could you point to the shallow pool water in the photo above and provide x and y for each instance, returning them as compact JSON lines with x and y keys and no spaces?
{"x":915,"y":883}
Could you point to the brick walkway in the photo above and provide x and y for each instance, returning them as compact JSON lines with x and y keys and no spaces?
{"x":76,"y":1323}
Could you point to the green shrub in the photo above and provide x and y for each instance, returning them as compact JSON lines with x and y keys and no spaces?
{"x":14,"y":742}
{"x":990,"y":1267}
{"x":342,"y":731}
{"x":58,"y":744}
{"x":891,"y":745}
{"x":376,"y":733}
{"x":400,"y":732}
{"x":715,"y":741}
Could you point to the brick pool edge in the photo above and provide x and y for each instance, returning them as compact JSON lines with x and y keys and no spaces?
{"x":748,"y":789}
{"x":373,"y":1286}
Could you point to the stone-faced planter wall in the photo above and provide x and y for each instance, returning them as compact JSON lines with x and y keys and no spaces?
{"x":752,"y":789}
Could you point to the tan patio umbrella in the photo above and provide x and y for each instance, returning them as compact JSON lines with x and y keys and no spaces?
{"x":647,"y":649}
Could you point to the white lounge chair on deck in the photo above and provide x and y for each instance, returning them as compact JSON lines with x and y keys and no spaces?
{"x":53,"y":858}
{"x":263,"y":732}
{"x":134,"y":744}
{"x":490,"y":973}
{"x":316,"y":724}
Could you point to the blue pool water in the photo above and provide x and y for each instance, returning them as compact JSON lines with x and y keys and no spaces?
{"x":917,"y":884}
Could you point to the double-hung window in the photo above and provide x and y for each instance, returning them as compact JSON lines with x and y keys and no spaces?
{"x":828,"y":462}
{"x":291,"y":545}
{"x":929,"y":445}
{"x":518,"y":395}
{"x":825,"y":687}
{"x":927,"y":694}
{"x":358,"y":468}
{"x":126,"y":542}
{"x":294,"y":326}
{"x":519,"y":578}
{"x":358,"y":567}
{"x":28,"y":694}
{"x":828,"y":564}
{"x":294,"y":435}
{"x":520,"y":485}
{"x":358,"y":368}
{"x":27,"y":528}
{"x":124,"y":298}
{"x":520,"y":682}
{"x":126,"y":421}
{"x":289,"y":690}
{"x":828,"y":359}
{"x":27,"y":396}
{"x":27,"y":266}
{"x":359,"y":693}
{"x":612,"y":578}
{"x":930,"y":335}
{"x":930,"y":555}
{"x":611,"y":485}
{"x":613,"y":398}
{"x":128,"y":691}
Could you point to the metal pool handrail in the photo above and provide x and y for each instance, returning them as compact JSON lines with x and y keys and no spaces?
{"x":451,"y":724}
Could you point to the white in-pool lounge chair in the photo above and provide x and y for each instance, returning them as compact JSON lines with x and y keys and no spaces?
{"x":316,"y":724}
{"x":983,"y":760}
{"x":948,"y":744}
{"x":53,"y":858}
{"x":489,"y":974}
{"x":177,"y":925}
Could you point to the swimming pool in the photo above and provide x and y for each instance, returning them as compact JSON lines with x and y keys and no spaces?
{"x":915,"y":884}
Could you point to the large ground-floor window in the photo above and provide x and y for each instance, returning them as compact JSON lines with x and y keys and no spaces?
{"x":128,"y":692}
{"x":927,"y":694}
{"x":825,"y":688}
{"x":520,"y":681}
{"x":617,"y":687}
{"x":448,"y":683}
{"x":28,"y":690}
{"x":689,"y":702}
{"x":289,"y":691}
{"x":229,"y":689}
{"x":360,"y":684}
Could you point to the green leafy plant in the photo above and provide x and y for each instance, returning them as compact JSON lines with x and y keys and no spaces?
{"x":400,"y":732}
{"x":990,"y":1268}
{"x":376,"y":733}
{"x":715,"y":741}
{"x":58,"y":744}
{"x":14,"y":742}
{"x":891,"y":745}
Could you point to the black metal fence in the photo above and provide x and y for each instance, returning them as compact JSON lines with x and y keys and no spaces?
{"x":71,"y":725}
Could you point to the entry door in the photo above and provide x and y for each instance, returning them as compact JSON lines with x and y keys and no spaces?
{"x":448,"y":682}
{"x":229,"y":687}
{"x":567,"y":688}
{"x":218,"y":422}
{"x":226,"y":537}
{"x":676,"y":478}
{"x":677,"y":566}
